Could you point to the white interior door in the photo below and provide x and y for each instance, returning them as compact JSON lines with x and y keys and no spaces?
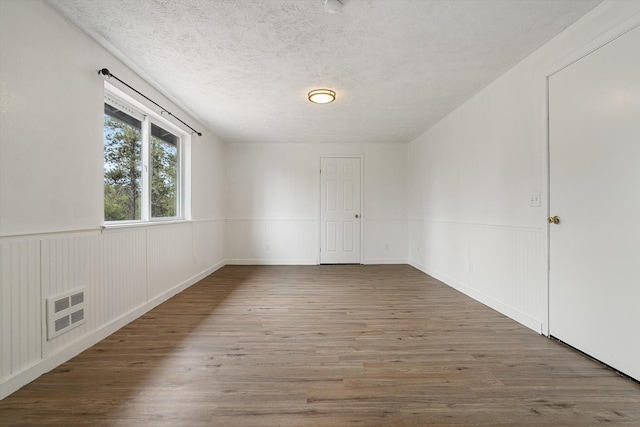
{"x":340,"y":210}
{"x":594,"y":149}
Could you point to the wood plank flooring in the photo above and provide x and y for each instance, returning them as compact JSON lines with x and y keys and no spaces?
{"x":325,"y":346}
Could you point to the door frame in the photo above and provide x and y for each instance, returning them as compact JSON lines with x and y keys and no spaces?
{"x":362,"y":213}
{"x":557,"y":66}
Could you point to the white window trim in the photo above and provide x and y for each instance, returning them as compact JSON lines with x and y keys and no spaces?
{"x":119,"y":99}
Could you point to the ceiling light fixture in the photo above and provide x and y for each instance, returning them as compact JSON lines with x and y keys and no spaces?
{"x":322,"y":96}
{"x":332,"y":6}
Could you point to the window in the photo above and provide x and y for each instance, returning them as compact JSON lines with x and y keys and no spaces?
{"x":122,"y":165}
{"x":142,"y":165}
{"x":164,"y":173}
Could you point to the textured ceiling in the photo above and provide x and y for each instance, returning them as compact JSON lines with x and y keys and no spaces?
{"x":244,"y":67}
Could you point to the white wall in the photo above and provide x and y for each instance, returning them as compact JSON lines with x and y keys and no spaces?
{"x":51,"y":104}
{"x":274,"y":201}
{"x":465,"y":183}
{"x":472,"y":174}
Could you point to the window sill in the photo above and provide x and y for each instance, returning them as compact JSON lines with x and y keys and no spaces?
{"x":141,"y":224}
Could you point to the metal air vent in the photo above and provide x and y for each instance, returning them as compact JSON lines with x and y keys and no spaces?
{"x":65,"y":312}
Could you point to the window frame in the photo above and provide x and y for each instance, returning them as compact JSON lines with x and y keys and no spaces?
{"x":118,"y":99}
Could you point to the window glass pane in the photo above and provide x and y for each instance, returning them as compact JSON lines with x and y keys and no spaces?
{"x":122,"y":165}
{"x":164,"y":173}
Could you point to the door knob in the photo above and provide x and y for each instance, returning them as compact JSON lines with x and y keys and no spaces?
{"x":553,"y":220}
{"x":357,"y":216}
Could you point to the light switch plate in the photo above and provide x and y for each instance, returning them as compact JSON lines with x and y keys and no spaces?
{"x":534,"y":199}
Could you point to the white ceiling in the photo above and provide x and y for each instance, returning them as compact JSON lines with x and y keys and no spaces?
{"x":244,"y":67}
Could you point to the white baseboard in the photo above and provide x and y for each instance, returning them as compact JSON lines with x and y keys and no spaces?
{"x":308,"y":261}
{"x":490,"y":302}
{"x":384,"y":261}
{"x":272,"y":262}
{"x":14,"y":382}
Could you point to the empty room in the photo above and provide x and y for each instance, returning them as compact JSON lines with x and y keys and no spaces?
{"x":319,"y":212}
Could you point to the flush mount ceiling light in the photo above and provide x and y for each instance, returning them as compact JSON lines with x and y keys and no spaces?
{"x":332,"y":6}
{"x":322,"y":96}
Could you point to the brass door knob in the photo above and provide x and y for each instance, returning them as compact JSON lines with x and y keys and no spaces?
{"x":553,"y":220}
{"x":357,"y":216}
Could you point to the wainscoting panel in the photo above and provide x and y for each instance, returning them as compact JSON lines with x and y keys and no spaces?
{"x":442,"y":248}
{"x":123,"y":278}
{"x":20,"y":302}
{"x":385,"y":241}
{"x":416,"y":241}
{"x":292,"y":240}
{"x":70,"y":262}
{"x":295,"y":241}
{"x":124,"y":273}
{"x":500,"y":266}
{"x":507,"y":264}
{"x":245,"y":241}
{"x":272,"y":241}
{"x":170,"y":262}
{"x":208,"y":243}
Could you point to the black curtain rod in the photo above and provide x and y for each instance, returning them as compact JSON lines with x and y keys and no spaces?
{"x":107,"y":73}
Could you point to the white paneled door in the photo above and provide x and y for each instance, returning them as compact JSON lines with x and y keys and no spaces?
{"x":340,"y":216}
{"x":594,"y":157}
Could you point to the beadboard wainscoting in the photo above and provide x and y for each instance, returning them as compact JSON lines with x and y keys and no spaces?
{"x":501,"y":266}
{"x":21,"y":320}
{"x":385,"y":241}
{"x":124,"y":272}
{"x":291,"y":241}
{"x":295,"y":241}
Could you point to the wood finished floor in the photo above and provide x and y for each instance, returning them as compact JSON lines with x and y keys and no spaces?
{"x":325,"y":346}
